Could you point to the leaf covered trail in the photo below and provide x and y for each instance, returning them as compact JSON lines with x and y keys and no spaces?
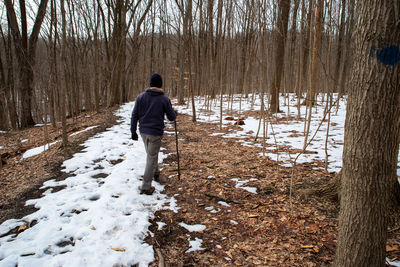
{"x":244,"y":201}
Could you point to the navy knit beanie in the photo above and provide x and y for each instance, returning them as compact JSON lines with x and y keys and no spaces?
{"x":156,"y":80}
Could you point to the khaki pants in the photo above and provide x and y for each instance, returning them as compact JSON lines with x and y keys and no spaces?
{"x":152,"y":145}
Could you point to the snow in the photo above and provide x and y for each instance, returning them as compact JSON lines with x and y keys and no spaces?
{"x":280,"y":131}
{"x":393,"y":263}
{"x":161,"y":225}
{"x":3,"y":132}
{"x":223,"y":203}
{"x":195,"y":245}
{"x":99,"y":218}
{"x":240,"y":183}
{"x":289,"y":133}
{"x":1,"y":147}
{"x":212,"y":210}
{"x":193,"y":228}
{"x":37,"y":150}
{"x":85,"y":130}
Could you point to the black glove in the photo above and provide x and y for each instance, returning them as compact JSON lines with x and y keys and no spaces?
{"x":135,"y":137}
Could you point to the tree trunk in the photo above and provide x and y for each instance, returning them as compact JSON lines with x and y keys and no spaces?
{"x":371,"y":136}
{"x":25,"y":48}
{"x":339,"y":47}
{"x":347,"y":49}
{"x":63,"y":76}
{"x":316,"y":52}
{"x":283,"y":18}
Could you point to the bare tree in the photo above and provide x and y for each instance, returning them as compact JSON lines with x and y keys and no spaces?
{"x":371,"y":136}
{"x":25,"y":47}
{"x":281,"y":32}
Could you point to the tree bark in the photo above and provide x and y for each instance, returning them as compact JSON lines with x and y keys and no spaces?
{"x":63,"y":76}
{"x":371,"y":136}
{"x":283,"y":18}
{"x":25,"y":50}
{"x":316,"y":53}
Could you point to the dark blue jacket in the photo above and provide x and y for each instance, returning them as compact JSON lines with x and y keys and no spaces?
{"x":149,"y":111}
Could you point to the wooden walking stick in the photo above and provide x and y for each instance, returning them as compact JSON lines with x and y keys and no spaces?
{"x":177,"y":150}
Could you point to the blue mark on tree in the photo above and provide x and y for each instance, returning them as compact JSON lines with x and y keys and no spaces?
{"x":388,"y":56}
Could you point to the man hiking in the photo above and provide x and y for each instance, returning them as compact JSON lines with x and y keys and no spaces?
{"x":150,"y":108}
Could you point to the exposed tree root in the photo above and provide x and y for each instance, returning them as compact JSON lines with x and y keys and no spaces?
{"x":329,"y":190}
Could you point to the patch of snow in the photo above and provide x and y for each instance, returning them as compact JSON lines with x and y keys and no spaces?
{"x":281,"y":132}
{"x":393,"y":263}
{"x":195,"y":245}
{"x":85,"y":130}
{"x":193,"y":228}
{"x":216,"y":134}
{"x":223,"y":203}
{"x":233,"y":222}
{"x":249,"y":189}
{"x":1,"y":147}
{"x":161,"y":225}
{"x":37,"y":150}
{"x":239,"y":184}
{"x":218,"y":246}
{"x":92,"y":221}
{"x":212,"y":210}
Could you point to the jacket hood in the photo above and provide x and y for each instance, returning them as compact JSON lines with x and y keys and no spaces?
{"x":155,"y":91}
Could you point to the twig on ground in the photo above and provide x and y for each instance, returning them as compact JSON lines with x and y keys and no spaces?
{"x":221,"y":198}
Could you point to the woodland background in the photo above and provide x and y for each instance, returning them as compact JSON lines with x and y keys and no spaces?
{"x":104,"y":52}
{"x":59,"y":59}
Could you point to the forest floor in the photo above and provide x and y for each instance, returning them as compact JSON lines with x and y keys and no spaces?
{"x":262,"y":221}
{"x":254,"y":209}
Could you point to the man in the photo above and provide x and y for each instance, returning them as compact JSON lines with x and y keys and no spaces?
{"x":149,"y":111}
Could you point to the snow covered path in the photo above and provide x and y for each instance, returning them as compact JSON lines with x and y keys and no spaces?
{"x":99,"y":218}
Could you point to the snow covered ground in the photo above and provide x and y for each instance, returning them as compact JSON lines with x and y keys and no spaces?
{"x":99,"y":218}
{"x":283,"y":132}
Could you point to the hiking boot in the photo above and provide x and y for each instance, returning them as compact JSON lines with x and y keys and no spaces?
{"x":146,"y":191}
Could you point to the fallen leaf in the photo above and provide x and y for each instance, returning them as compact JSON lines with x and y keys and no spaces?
{"x":118,"y":249}
{"x":316,"y":250}
{"x":253,"y":216}
{"x":229,"y":254}
{"x":390,"y":248}
{"x":307,"y":246}
{"x":22,"y":228}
